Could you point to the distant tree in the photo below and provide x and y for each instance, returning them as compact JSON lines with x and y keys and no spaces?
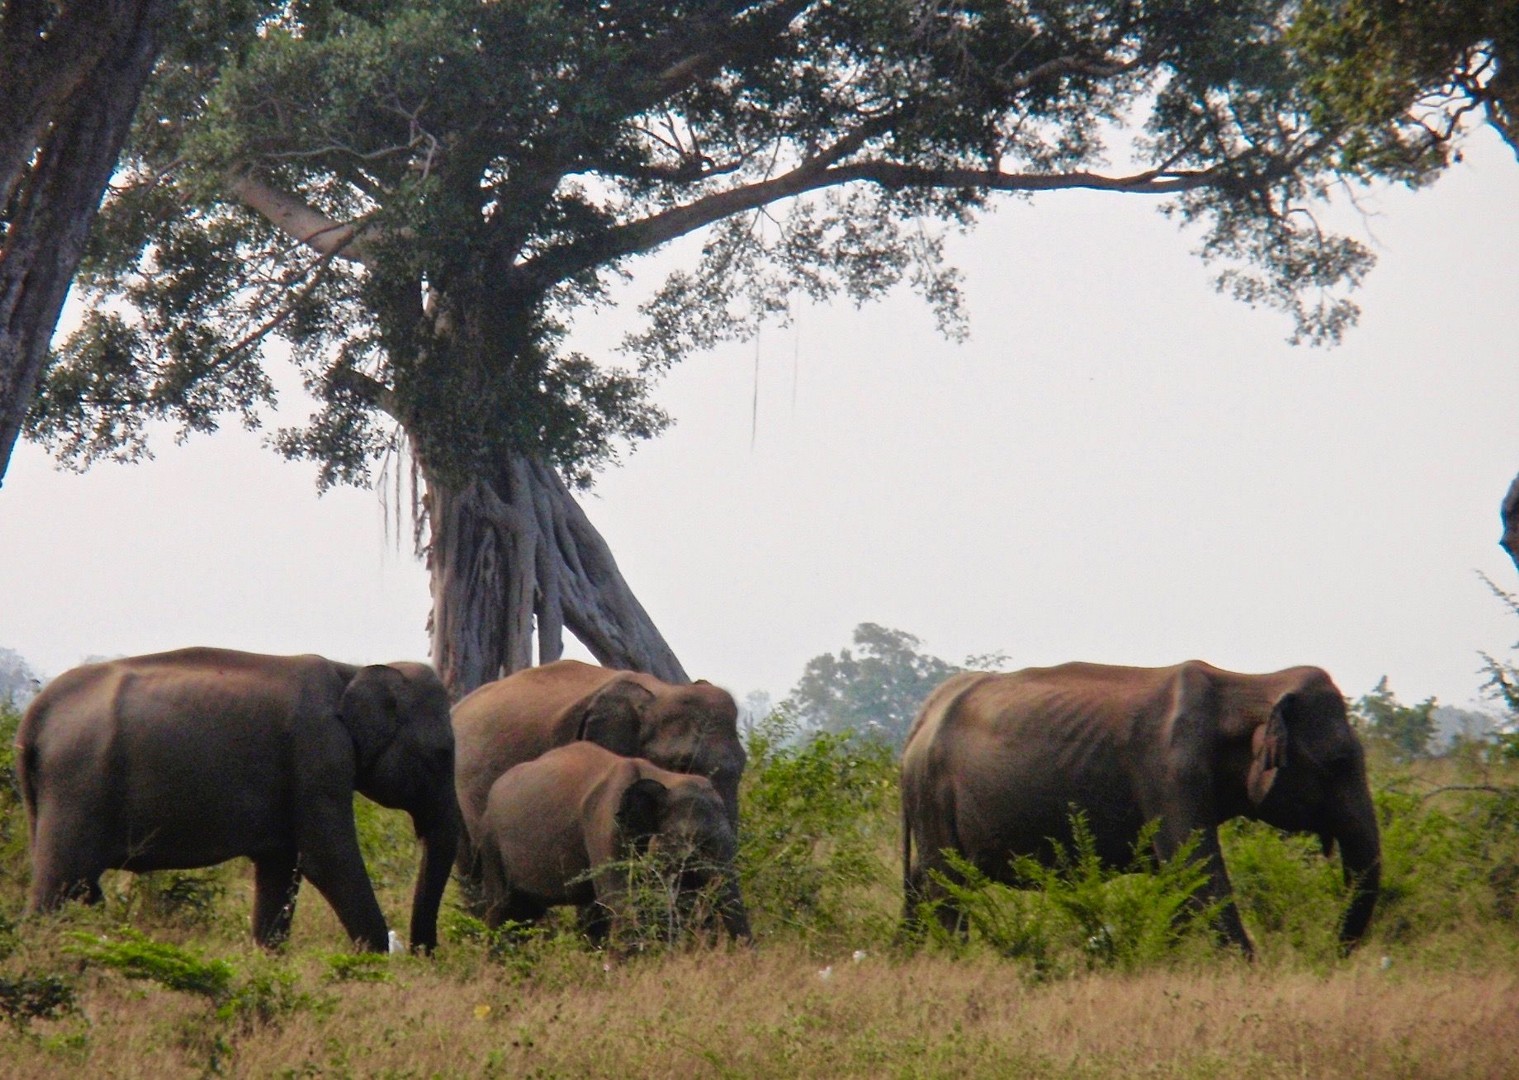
{"x":874,"y":690}
{"x":753,"y":711}
{"x":18,"y":682}
{"x":1407,"y":729}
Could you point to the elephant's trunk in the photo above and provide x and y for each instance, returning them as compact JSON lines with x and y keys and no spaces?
{"x":438,"y":833}
{"x":1354,"y":826}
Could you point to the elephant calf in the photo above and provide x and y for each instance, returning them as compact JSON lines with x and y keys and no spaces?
{"x":555,"y":829}
{"x":186,"y":759}
{"x":689,"y":728}
{"x":994,"y":762}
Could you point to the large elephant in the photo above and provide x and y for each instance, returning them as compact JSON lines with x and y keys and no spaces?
{"x":186,"y":759}
{"x":690,"y":728}
{"x":559,"y":830}
{"x":994,"y":762}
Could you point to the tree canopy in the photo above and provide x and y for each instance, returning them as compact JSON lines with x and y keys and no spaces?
{"x":875,"y":689}
{"x":418,"y":199}
{"x":1408,"y":729}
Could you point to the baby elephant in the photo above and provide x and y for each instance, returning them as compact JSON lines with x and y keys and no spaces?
{"x":556,"y":829}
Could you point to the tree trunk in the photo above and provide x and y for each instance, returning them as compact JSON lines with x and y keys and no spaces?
{"x":513,"y":552}
{"x":54,"y":197}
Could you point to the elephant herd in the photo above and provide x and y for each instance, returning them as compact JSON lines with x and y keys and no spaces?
{"x":540,"y":786}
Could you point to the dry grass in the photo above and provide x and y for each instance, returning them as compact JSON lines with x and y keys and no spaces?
{"x":771,"y":1013}
{"x":1447,"y":1005}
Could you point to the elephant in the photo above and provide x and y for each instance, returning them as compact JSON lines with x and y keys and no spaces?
{"x":690,"y":728}
{"x":185,"y":759}
{"x":555,"y":829}
{"x":994,"y":763}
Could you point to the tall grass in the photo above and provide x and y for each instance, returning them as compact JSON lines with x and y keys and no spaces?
{"x":1106,"y":977}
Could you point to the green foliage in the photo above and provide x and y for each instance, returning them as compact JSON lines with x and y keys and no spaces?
{"x":13,"y":865}
{"x":177,"y":898}
{"x":138,"y":956}
{"x":1406,"y":729}
{"x":357,"y":967}
{"x":388,"y":842}
{"x":816,"y":815}
{"x":668,"y":900}
{"x":261,"y":994}
{"x":493,"y":168}
{"x":874,"y":691}
{"x":1288,"y":894}
{"x":1079,"y":911}
{"x":1398,"y":78}
{"x":31,"y":996}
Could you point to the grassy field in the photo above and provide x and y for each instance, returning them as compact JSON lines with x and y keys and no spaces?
{"x":161,"y":981}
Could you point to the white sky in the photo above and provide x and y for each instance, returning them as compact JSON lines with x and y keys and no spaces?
{"x":1120,"y":465}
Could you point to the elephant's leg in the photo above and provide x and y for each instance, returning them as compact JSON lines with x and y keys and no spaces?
{"x":66,"y":862}
{"x":595,"y":921}
{"x":330,"y":860}
{"x":514,"y":907}
{"x":1228,"y":926}
{"x":276,"y":881}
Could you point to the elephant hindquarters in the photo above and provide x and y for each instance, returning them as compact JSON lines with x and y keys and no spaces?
{"x":68,"y":854}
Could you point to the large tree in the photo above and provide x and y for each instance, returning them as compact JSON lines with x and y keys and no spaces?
{"x":418,"y":198}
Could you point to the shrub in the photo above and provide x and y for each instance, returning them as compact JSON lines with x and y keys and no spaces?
{"x":818,"y":814}
{"x":1287,"y":892}
{"x":30,"y":996}
{"x":1078,"y":912}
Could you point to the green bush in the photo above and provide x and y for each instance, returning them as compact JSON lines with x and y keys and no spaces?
{"x":1078,"y":913}
{"x":818,"y":819}
{"x":1288,"y":894}
{"x":13,"y":864}
{"x":32,"y":996}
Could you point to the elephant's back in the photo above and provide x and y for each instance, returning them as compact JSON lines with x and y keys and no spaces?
{"x":508,"y":722}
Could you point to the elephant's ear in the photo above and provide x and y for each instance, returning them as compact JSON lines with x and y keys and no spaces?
{"x":612,"y":717}
{"x":639,"y":812}
{"x":1268,"y":745}
{"x":370,"y":710}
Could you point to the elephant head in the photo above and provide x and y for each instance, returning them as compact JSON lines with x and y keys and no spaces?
{"x":403,"y":745}
{"x":686,"y":823}
{"x":686,"y":729}
{"x":1304,"y":770}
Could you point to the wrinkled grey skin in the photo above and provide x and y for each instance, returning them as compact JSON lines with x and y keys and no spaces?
{"x":554,"y":828}
{"x":687,"y":728}
{"x":994,"y":762}
{"x":186,"y":759}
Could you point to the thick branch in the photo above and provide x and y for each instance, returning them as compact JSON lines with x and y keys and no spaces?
{"x":822,"y":172}
{"x":300,"y":221}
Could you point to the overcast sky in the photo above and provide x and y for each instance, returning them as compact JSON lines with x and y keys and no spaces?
{"x":1120,"y":465}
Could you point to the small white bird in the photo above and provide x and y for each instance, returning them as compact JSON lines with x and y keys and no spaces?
{"x":397,"y":946}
